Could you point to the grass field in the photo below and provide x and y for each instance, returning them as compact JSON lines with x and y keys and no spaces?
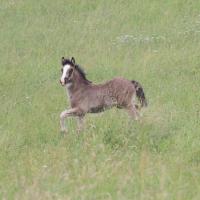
{"x":154,"y":42}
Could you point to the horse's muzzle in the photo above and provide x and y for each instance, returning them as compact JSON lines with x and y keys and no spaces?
{"x":66,"y":81}
{"x":62,"y":83}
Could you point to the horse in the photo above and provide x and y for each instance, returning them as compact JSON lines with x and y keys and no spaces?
{"x":86,"y":97}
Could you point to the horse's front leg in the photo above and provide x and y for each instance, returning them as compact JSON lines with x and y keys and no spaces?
{"x":80,"y":123}
{"x":67,"y":113}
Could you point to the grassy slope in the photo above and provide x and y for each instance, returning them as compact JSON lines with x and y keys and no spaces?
{"x":115,"y":158}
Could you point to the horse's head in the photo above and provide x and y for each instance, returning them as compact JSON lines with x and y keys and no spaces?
{"x":67,"y":70}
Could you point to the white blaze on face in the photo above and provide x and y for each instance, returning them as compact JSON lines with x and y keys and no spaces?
{"x":65,"y":70}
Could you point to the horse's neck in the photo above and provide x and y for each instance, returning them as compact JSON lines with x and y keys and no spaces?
{"x":68,"y":91}
{"x":77,"y":86}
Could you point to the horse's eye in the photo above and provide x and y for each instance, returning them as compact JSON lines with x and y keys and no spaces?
{"x":62,"y":70}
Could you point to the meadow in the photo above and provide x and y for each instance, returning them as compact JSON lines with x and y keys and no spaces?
{"x":154,"y":42}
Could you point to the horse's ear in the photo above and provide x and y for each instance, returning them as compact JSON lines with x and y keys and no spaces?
{"x":73,"y":60}
{"x":62,"y":60}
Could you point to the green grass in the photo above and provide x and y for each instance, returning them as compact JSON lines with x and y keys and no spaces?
{"x":154,"y":42}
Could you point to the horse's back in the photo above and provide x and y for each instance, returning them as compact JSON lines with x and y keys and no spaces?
{"x":121,"y":83}
{"x":122,"y":90}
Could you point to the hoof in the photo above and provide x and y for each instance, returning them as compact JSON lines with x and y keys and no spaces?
{"x":78,"y":130}
{"x":63,"y":132}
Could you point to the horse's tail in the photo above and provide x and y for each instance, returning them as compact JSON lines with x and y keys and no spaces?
{"x":140,"y":93}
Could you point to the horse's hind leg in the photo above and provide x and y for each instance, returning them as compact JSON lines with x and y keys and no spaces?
{"x":133,"y":108}
{"x":132,"y":111}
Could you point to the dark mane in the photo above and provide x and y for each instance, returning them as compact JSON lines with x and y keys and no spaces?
{"x":77,"y":67}
{"x":82,"y":72}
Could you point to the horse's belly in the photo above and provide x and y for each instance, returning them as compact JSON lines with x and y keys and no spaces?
{"x":96,"y":109}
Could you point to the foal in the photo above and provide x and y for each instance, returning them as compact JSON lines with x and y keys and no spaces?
{"x":86,"y":97}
